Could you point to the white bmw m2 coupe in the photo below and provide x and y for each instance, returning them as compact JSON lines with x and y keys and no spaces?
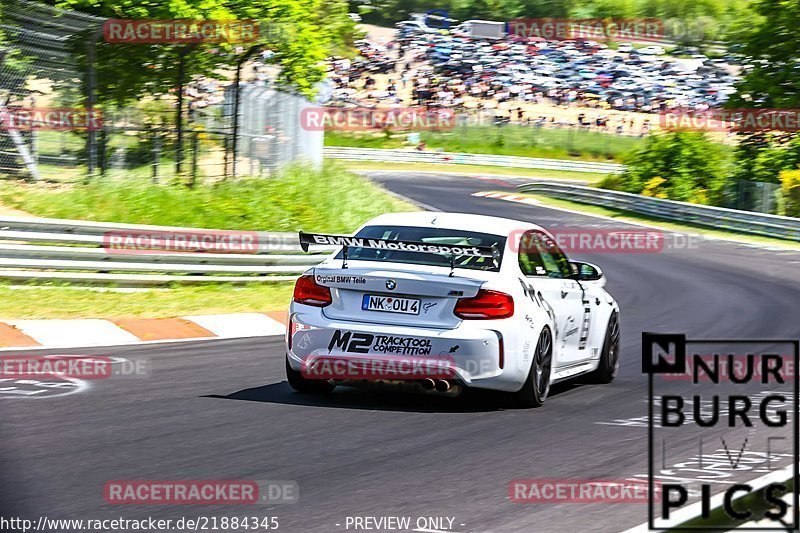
{"x":443,"y":301}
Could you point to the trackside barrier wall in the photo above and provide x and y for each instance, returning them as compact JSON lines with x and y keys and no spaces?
{"x":74,"y":251}
{"x":745,"y":222}
{"x":414,"y":156}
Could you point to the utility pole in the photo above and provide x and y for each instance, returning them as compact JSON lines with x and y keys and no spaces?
{"x":236,"y":101}
{"x":182,"y":54}
{"x":91,"y":101}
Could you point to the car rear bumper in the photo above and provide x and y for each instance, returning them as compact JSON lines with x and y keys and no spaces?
{"x":322,"y":348}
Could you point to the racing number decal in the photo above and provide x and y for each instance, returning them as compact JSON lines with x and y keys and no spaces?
{"x":587,"y":320}
{"x":348,"y":341}
{"x":355,"y":342}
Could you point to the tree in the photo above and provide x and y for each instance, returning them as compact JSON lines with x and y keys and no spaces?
{"x":535,"y":8}
{"x":333,"y":18}
{"x":772,"y":79}
{"x":295,"y":31}
{"x":689,"y":22}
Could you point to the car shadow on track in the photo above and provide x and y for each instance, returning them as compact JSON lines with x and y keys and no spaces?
{"x":473,"y":400}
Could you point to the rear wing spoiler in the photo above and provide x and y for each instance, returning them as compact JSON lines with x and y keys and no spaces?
{"x":404,"y":246}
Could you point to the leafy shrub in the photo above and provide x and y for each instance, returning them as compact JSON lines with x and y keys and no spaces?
{"x":681,"y":165}
{"x":790,"y":192}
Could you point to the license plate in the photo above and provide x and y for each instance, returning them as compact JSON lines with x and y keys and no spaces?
{"x":390,"y":304}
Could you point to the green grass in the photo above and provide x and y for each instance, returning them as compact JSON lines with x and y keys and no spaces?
{"x":54,"y":142}
{"x":331,"y":200}
{"x":72,"y":302}
{"x":589,"y":177}
{"x":554,"y":143}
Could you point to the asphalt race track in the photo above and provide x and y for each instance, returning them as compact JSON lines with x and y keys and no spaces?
{"x":222,"y":409}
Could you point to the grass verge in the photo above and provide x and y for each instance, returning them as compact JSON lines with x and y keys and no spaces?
{"x":511,"y":139}
{"x":331,"y":200}
{"x":588,"y":177}
{"x":74,"y":302}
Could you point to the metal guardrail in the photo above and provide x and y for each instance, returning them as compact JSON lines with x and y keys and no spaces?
{"x":744,"y":222}
{"x":414,"y":156}
{"x":79,"y":252}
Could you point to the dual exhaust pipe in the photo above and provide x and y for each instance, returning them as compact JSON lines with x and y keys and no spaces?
{"x":440,"y":385}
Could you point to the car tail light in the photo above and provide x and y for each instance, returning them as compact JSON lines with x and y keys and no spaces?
{"x":308,"y":292}
{"x":485,"y":305}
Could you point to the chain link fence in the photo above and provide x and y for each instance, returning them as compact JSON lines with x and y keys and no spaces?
{"x":758,"y":196}
{"x":38,"y":69}
{"x":48,"y":67}
{"x":271,"y":133}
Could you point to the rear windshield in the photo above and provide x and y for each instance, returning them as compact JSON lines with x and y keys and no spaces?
{"x":433,"y":236}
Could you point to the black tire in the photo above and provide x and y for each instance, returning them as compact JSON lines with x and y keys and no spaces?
{"x":308,"y":386}
{"x":537,"y":385}
{"x":609,"y":357}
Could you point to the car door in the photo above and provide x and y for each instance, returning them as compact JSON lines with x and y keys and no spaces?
{"x":547,"y":271}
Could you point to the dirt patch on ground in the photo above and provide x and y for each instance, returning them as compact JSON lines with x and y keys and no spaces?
{"x":11,"y":212}
{"x":378,"y":34}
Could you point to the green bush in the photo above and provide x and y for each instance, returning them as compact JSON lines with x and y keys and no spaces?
{"x":682,"y":165}
{"x":613,"y":182}
{"x":761,"y":156}
{"x":790,"y":192}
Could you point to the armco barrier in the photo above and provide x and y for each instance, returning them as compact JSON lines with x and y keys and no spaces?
{"x":744,"y":222}
{"x":73,"y":251}
{"x":414,"y":156}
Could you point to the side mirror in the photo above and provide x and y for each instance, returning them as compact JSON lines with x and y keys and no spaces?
{"x":586,"y":271}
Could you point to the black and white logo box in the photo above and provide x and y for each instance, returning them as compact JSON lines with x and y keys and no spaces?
{"x":722,"y":432}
